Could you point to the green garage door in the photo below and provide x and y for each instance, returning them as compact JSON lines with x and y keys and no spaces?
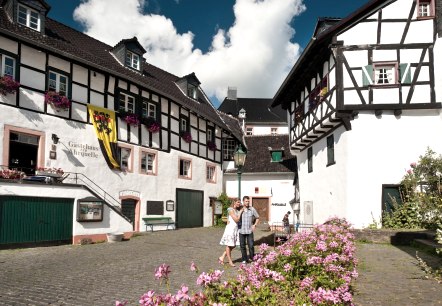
{"x":189,"y":208}
{"x":32,"y":219}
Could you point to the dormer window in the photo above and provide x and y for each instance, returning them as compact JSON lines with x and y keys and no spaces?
{"x":191,"y":91}
{"x":133,"y":60}
{"x":28,"y":17}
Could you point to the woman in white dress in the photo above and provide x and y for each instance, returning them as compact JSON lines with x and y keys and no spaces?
{"x":230,"y":237}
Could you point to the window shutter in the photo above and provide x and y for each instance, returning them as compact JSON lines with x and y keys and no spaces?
{"x":405,"y":73}
{"x":367,"y":75}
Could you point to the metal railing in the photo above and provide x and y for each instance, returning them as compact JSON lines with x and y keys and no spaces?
{"x":81,"y":179}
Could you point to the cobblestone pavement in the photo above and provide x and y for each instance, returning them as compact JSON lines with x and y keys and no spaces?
{"x":99,"y":274}
{"x":390,"y":275}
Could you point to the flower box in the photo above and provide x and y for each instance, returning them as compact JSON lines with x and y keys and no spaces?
{"x":8,"y":85}
{"x":129,"y":118}
{"x":151,"y":124}
{"x":48,"y":173}
{"x":211,"y":145}
{"x":186,"y":136}
{"x":58,"y":101}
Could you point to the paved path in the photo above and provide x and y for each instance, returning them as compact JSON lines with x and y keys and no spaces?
{"x":390,"y":275}
{"x":102,"y":273}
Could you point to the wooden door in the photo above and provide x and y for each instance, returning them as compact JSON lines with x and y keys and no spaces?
{"x":262,"y":207}
{"x":189,"y":208}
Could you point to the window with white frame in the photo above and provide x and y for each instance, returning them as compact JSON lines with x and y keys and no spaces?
{"x":425,"y":8}
{"x":229,"y":146}
{"x":210,"y":173}
{"x":273,"y":131}
{"x":147,"y":163}
{"x":58,"y":83}
{"x":191,"y":91}
{"x":385,"y":74}
{"x":185,"y":168}
{"x":125,"y":158}
{"x":249,"y":131}
{"x":210,"y":134}
{"x":133,"y":60}
{"x":184,"y":124}
{"x":8,"y":66}
{"x":28,"y":17}
{"x":149,"y":109}
{"x":127,"y":103}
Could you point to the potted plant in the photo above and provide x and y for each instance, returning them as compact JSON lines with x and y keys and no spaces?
{"x":186,"y":136}
{"x":211,"y":145}
{"x":11,"y":174}
{"x":152,"y":125}
{"x":8,"y":85}
{"x":57,"y":100}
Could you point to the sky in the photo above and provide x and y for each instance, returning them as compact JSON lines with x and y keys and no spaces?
{"x":247,"y":44}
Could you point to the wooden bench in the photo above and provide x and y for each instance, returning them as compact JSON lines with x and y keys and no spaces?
{"x":151,"y":221}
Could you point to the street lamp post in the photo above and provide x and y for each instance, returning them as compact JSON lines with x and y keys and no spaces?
{"x":240,"y":158}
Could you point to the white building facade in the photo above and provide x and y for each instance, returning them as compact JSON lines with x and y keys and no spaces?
{"x":365,"y":108}
{"x":171,"y":170}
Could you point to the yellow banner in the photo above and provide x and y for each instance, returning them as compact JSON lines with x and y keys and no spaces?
{"x":106,"y":129}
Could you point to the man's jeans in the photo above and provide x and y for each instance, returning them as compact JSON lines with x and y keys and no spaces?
{"x":243,"y":238}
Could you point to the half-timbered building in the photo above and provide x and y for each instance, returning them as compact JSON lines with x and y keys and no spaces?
{"x":364,"y":101}
{"x":101,"y":134}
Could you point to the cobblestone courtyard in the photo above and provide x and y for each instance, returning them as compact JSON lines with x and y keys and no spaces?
{"x":102,"y":273}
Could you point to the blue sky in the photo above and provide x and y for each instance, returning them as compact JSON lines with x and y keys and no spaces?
{"x":247,"y":44}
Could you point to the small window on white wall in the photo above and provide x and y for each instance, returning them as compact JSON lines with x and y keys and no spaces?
{"x":425,"y":8}
{"x":185,"y":168}
{"x":210,"y":173}
{"x":273,"y":131}
{"x":8,"y":66}
{"x":127,"y":103}
{"x":125,"y":158}
{"x":148,"y":162}
{"x":58,"y":82}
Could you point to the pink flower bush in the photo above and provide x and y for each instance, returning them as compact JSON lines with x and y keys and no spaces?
{"x":8,"y":85}
{"x":311,"y":268}
{"x":57,"y":100}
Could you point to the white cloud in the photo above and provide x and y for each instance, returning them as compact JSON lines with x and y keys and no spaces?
{"x":254,"y":54}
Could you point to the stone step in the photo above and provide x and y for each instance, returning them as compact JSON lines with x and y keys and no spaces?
{"x":427,"y":244}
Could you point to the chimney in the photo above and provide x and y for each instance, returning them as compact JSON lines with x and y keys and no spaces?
{"x":231,"y":93}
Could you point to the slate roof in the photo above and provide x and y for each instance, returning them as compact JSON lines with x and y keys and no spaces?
{"x":77,"y":47}
{"x":317,"y":51}
{"x":258,"y":158}
{"x":258,"y":110}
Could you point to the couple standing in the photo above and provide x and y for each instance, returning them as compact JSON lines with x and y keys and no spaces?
{"x":241,"y":224}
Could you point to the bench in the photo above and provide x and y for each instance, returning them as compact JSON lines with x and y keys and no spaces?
{"x":151,"y":221}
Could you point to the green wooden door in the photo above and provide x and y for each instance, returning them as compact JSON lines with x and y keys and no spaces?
{"x":189,"y":208}
{"x":32,"y":219}
{"x":390,"y":196}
